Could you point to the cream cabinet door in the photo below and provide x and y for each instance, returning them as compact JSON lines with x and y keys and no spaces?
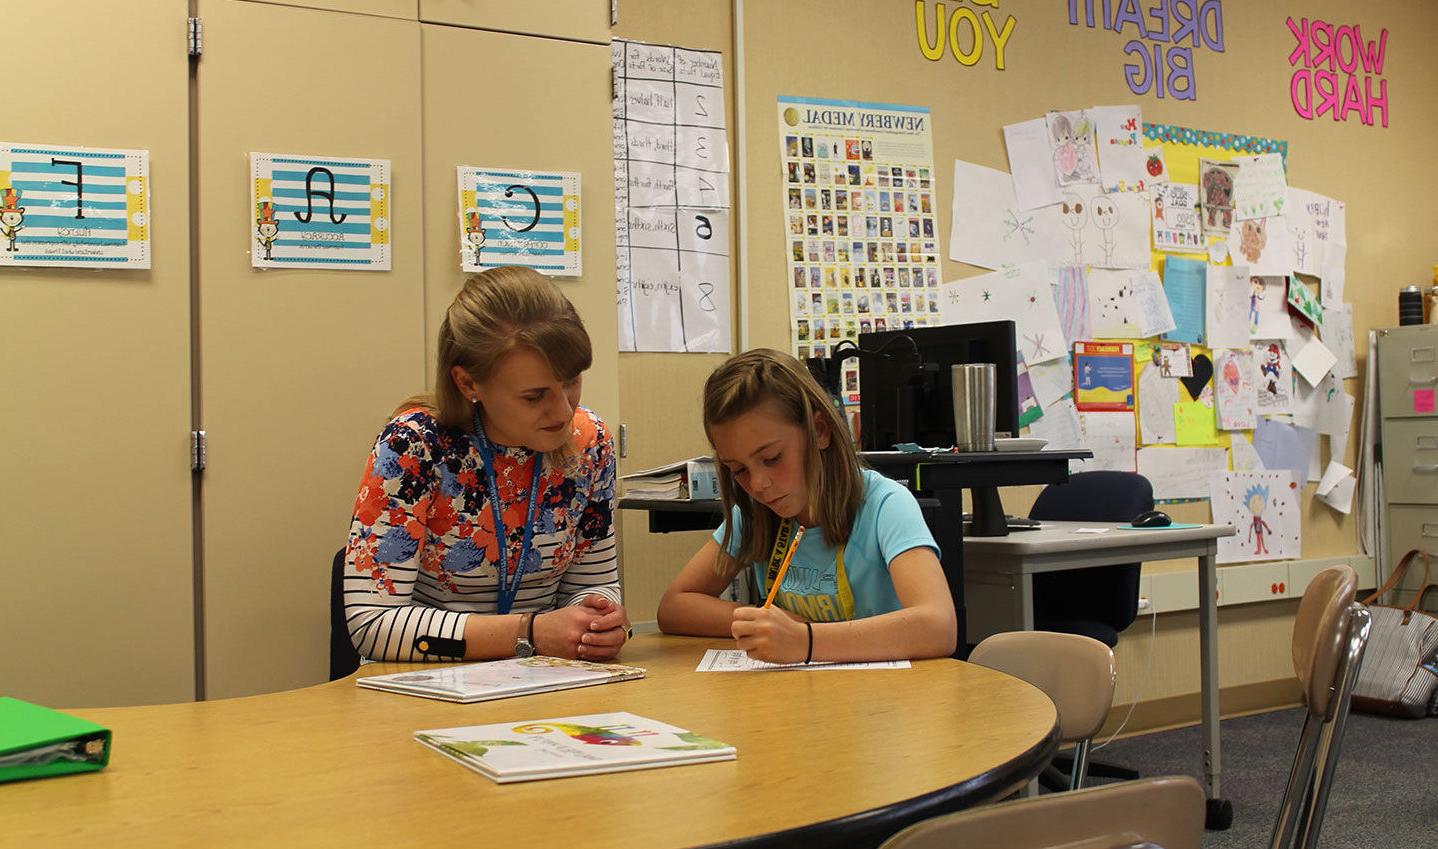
{"x":579,"y":20}
{"x":299,"y":368}
{"x":96,"y":582}
{"x":543,"y":104}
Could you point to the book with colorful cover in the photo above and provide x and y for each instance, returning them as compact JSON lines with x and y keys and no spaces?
{"x":500,"y":679}
{"x":506,"y":752}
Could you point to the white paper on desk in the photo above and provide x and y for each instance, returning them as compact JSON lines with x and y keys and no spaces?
{"x":1156,"y":397}
{"x":1226,"y":308}
{"x":1313,"y":361}
{"x":1092,"y":530}
{"x":989,"y":228}
{"x":1336,"y":487}
{"x":1031,"y":164}
{"x":1181,"y":472}
{"x":732,"y":660}
{"x":1337,"y":334}
{"x":1263,"y":508}
{"x":1052,"y":380}
{"x":1268,"y":307}
{"x":1021,"y":294}
{"x":1110,"y":436}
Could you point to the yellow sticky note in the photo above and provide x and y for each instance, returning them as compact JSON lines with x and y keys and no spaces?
{"x":1195,"y":423}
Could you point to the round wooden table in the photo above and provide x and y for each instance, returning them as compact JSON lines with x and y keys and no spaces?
{"x":825,"y":758}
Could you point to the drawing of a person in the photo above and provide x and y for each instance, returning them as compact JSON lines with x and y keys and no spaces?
{"x":1073,"y":215}
{"x":1087,"y":374}
{"x":473,"y":232}
{"x":1106,"y":216}
{"x":1065,"y":151}
{"x":1218,"y":198}
{"x":1255,"y":294}
{"x":12,"y":217}
{"x":267,"y":228}
{"x":1257,"y":501}
{"x":1270,"y":367}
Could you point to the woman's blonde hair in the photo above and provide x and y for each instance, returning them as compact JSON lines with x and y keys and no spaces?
{"x":495,"y":312}
{"x":833,"y":475}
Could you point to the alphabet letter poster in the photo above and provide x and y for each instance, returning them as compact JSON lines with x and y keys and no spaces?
{"x":84,"y":207}
{"x":313,"y":212}
{"x":528,"y":218}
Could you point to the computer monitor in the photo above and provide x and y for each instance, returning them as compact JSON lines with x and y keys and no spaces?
{"x":904,"y":383}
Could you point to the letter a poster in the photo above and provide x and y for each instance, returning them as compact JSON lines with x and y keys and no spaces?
{"x":313,"y":212}
{"x":83,"y":207}
{"x":860,"y":222}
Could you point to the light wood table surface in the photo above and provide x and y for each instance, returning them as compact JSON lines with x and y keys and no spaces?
{"x":336,"y":765}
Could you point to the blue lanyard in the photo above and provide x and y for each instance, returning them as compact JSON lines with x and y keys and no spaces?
{"x":508,"y":583}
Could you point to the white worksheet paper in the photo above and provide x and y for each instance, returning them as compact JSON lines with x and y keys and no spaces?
{"x":733,"y":660}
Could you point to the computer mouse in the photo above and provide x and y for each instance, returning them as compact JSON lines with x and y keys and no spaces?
{"x":1152,"y":519}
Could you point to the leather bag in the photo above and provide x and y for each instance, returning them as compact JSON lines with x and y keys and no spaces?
{"x":1399,"y":675}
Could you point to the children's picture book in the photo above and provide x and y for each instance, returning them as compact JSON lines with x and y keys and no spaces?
{"x":500,"y":679}
{"x":506,"y":752}
{"x":1103,"y":376}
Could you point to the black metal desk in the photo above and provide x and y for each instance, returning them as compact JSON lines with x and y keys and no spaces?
{"x":938,"y":480}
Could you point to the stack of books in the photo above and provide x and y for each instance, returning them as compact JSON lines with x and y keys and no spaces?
{"x":499,"y":679}
{"x":505,"y":752}
{"x":686,"y":480}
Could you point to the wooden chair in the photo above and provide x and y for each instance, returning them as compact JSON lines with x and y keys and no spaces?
{"x":1166,"y":812}
{"x":1330,"y":632}
{"x":1076,"y":672}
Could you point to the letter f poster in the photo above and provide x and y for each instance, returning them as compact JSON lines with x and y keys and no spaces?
{"x":313,"y":212}
{"x":83,"y":207}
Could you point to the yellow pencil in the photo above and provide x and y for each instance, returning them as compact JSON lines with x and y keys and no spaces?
{"x":784,"y":567}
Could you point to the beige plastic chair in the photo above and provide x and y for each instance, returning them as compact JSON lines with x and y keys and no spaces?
{"x":1330,"y":632}
{"x":1166,"y":811}
{"x":1075,"y":672}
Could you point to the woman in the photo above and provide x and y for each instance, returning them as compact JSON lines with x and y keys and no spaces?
{"x":500,"y":451}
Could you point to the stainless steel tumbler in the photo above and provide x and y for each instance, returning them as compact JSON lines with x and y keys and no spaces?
{"x":974,"y":386}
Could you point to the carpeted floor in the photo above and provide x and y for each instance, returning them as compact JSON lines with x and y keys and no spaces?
{"x":1385,"y":793}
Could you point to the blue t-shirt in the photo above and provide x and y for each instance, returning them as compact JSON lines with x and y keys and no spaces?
{"x":823,"y":587}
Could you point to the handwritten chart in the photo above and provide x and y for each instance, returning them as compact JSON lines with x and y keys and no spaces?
{"x":78,"y":206}
{"x":671,"y":198}
{"x":319,"y":212}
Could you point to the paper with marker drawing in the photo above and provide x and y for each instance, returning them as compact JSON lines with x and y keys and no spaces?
{"x":989,"y":227}
{"x":1071,"y":147}
{"x":1261,"y":189}
{"x":1307,"y":211}
{"x":1122,"y":160}
{"x":732,"y":660}
{"x":1337,"y":334}
{"x":1235,"y":396}
{"x":1052,"y":380}
{"x":1195,"y":423}
{"x":1335,"y":255}
{"x":1175,"y":218}
{"x":1104,"y":230}
{"x":1263,"y":508}
{"x":1031,"y":163}
{"x":1154,"y":314}
{"x":1070,"y":283}
{"x":1060,"y":427}
{"x":1181,"y":472}
{"x":1268,"y":308}
{"x":1265,"y":244}
{"x":1226,"y":306}
{"x":1274,"y":378}
{"x":1021,"y":294}
{"x":1245,"y":459}
{"x":1113,"y":304}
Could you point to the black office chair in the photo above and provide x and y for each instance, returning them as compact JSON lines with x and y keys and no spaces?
{"x":343,"y":657}
{"x":1098,"y":602}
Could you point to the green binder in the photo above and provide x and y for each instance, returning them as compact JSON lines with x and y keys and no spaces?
{"x":36,"y":742}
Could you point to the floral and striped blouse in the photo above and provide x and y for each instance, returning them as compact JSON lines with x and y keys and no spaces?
{"x":422,"y":556}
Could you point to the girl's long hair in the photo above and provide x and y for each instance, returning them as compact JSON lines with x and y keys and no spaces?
{"x":833,"y":476}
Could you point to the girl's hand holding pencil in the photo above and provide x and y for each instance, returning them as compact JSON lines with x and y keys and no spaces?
{"x":770,"y":633}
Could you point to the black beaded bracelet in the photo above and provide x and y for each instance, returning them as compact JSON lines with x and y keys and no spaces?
{"x":810,"y":656}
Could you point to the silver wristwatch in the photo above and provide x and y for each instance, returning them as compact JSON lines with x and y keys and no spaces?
{"x":524,"y":640}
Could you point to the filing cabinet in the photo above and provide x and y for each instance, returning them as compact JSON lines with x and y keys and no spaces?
{"x":1407,"y":392}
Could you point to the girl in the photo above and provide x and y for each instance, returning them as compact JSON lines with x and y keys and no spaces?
{"x":865,"y":582}
{"x":484,"y":523}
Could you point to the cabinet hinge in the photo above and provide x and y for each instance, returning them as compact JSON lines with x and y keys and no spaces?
{"x":197,"y":450}
{"x":614,"y":13}
{"x":195,"y":37}
{"x":623,"y":441}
